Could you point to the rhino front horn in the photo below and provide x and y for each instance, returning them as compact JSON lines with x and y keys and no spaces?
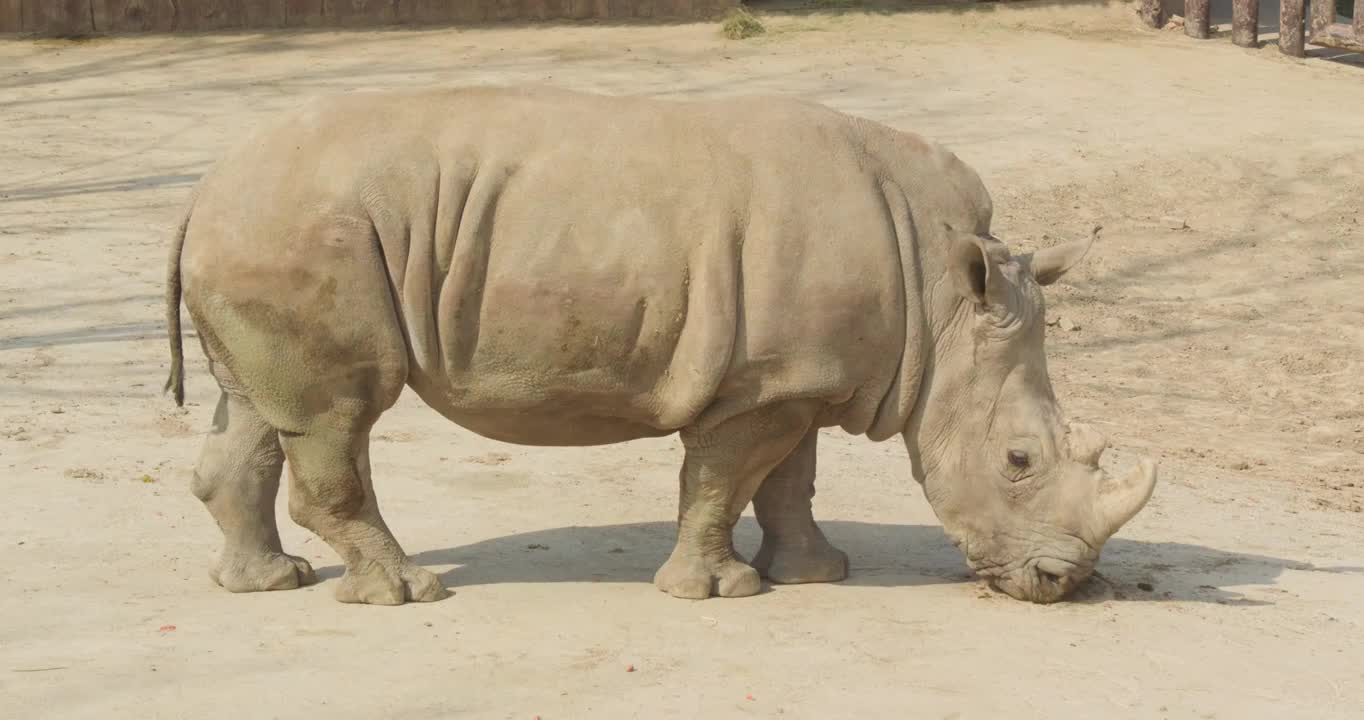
{"x":1122,"y":498}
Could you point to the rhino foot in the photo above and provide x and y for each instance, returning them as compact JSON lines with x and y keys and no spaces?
{"x":371,"y":583}
{"x":694,"y":578}
{"x":791,"y":563}
{"x":257,"y":573}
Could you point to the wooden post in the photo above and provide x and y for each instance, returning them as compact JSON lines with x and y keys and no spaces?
{"x":1290,"y":27}
{"x":124,"y":16}
{"x":212,"y":15}
{"x":1359,"y":21}
{"x":262,"y":13}
{"x":303,"y":13}
{"x":11,"y":19}
{"x":1323,"y":15}
{"x":1245,"y":22}
{"x":1151,"y":13}
{"x":555,"y":9}
{"x":1196,"y":18}
{"x":57,"y":17}
{"x":431,"y":12}
{"x":360,"y":13}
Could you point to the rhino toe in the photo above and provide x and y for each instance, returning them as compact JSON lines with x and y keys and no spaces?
{"x":373,"y":583}
{"x":421,"y":585}
{"x":791,"y":564}
{"x":260,"y":573}
{"x":693,"y":578}
{"x":736,"y":579}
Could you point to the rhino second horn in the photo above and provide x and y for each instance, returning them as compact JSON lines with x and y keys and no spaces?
{"x":1086,"y":444}
{"x":1121,"y":499}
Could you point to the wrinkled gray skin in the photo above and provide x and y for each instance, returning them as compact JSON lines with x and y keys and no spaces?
{"x":1018,"y":489}
{"x":552,"y":268}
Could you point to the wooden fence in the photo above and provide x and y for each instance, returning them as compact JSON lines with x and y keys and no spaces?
{"x":83,"y":17}
{"x":1295,"y":31}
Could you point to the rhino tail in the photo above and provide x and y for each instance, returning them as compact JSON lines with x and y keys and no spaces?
{"x":176,"y":382}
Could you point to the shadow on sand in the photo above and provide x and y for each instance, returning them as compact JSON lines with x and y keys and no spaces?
{"x":882,"y":555}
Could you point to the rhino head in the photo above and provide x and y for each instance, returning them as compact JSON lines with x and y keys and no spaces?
{"x":1016,"y":486}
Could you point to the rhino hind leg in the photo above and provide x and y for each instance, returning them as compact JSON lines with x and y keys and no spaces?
{"x":794,"y":549}
{"x":237,"y":479}
{"x":723,"y":467}
{"x":331,"y":494}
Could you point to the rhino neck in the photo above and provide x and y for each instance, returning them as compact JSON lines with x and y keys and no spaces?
{"x":902,"y":396}
{"x":943,"y":331}
{"x":947,"y":342}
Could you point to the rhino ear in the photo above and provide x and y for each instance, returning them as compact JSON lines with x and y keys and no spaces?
{"x":1048,"y":265}
{"x":973,"y":262}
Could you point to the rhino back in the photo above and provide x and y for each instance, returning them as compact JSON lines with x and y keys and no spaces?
{"x":573,"y":269}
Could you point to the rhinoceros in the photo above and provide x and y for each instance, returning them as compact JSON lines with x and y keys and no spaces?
{"x":554,"y":268}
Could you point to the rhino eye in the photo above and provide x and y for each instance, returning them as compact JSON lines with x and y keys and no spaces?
{"x":1018,"y":459}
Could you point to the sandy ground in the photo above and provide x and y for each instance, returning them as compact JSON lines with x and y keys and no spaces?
{"x":1231,"y":349}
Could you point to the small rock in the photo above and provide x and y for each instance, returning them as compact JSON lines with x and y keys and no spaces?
{"x":1174,"y":223}
{"x":1325,"y":434}
{"x":1148,"y":587}
{"x":496,"y":458}
{"x":537,"y":546}
{"x":1111,"y":325}
{"x":1068,"y":325}
{"x":1176,"y":22}
{"x":629,"y":668}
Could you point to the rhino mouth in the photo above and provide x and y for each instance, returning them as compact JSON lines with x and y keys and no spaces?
{"x":1042,"y":576}
{"x":1039,"y":580}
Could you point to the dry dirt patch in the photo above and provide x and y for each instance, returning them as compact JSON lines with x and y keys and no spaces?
{"x":1227,"y":343}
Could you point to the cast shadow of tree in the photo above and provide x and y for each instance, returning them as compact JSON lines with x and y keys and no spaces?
{"x":882,"y":555}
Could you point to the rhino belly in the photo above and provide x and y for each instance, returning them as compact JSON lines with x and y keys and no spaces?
{"x":568,"y":354}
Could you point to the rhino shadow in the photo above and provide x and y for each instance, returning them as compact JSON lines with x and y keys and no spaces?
{"x":881,"y":555}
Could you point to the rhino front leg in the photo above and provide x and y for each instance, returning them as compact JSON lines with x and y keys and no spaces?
{"x":723,"y":467}
{"x":237,"y":479}
{"x":331,"y":493}
{"x":794,"y":549}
